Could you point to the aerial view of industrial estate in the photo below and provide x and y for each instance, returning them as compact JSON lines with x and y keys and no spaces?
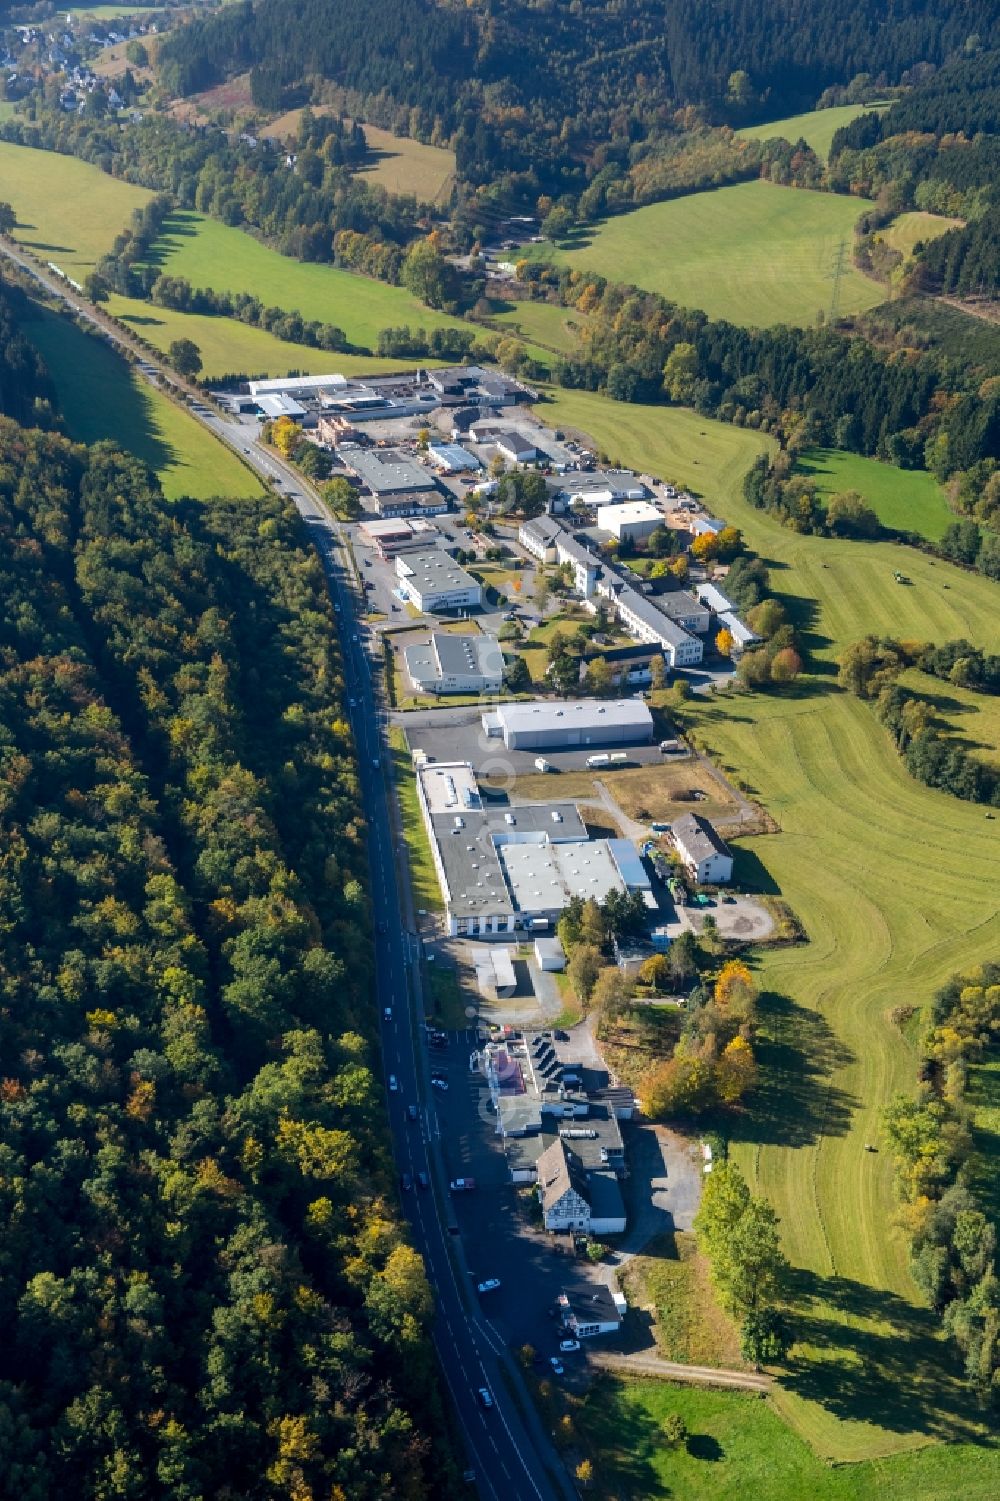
{"x":499,"y":751}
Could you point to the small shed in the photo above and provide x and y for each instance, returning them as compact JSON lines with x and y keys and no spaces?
{"x":550,"y":954}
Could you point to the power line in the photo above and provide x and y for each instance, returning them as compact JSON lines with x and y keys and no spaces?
{"x":837,"y":276}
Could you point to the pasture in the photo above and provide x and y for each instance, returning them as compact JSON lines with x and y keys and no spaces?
{"x":402,"y":165}
{"x":67,"y":211}
{"x":738,"y":1446}
{"x":817,"y":128}
{"x":229,"y":347}
{"x":908,"y":500}
{"x":755,"y":253}
{"x":908,"y":230}
{"x":210,"y":254}
{"x":544,"y":323}
{"x":896,"y":886}
{"x":100,"y":396}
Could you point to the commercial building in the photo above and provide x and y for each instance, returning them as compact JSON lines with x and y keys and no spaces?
{"x":699,"y":526}
{"x":632,"y":521}
{"x":396,"y":535}
{"x":706,"y":856}
{"x":475,"y":895}
{"x":455,"y":664}
{"x":386,"y":471}
{"x":516,"y":446}
{"x":434,"y":582}
{"x":603,"y":487}
{"x":281,"y":406}
{"x":579,"y":722}
{"x":410,"y":503}
{"x":642,"y":618}
{"x":452,"y":458}
{"x":550,"y":954}
{"x":572,"y":1199}
{"x":471,"y":384}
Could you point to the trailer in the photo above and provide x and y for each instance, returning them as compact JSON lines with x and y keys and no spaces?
{"x":602,"y":760}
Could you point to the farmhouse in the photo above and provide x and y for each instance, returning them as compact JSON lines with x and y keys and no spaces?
{"x":455,"y":664}
{"x":632,"y":522}
{"x":435,"y":582}
{"x":706,"y":856}
{"x":563,"y":726}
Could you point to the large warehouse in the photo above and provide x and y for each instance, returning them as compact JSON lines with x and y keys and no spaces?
{"x":434,"y":581}
{"x":580,"y":722}
{"x":455,"y":664}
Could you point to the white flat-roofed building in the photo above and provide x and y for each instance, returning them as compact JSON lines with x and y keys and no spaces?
{"x":644,"y":621}
{"x":604,"y":487}
{"x":713,"y":597}
{"x":452,"y":458}
{"x":632,"y":521}
{"x":563,"y":726}
{"x":435,"y":582}
{"x":304,"y":385}
{"x":741,"y":633}
{"x":698,"y":526}
{"x":390,"y":536}
{"x":706,"y":855}
{"x":542,"y":877}
{"x":455,"y":664}
{"x":281,"y":406}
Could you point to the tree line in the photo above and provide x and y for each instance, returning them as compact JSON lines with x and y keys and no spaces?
{"x":871,"y":668}
{"x":944,"y":1177}
{"x":206,"y":1284}
{"x":26,"y":391}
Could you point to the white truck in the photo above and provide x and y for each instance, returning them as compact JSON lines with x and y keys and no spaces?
{"x":541,"y":764}
{"x":602,"y":760}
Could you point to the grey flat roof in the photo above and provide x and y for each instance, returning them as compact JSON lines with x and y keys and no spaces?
{"x":543,"y":877}
{"x":472,"y":869}
{"x":434,"y":570}
{"x":605,"y":1196}
{"x":385,"y":471}
{"x":468,"y":654}
{"x":679,"y":602}
{"x":576,"y":714}
{"x":536,"y":818}
{"x":698,"y":836}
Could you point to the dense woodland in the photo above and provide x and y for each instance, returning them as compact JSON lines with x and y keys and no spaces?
{"x":205,"y":1286}
{"x":944,"y":1175}
{"x":26,"y":392}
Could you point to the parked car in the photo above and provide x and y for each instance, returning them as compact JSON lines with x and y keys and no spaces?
{"x":406,"y":1179}
{"x":568,"y":1345}
{"x":423,"y":1180}
{"x":462,"y":1185}
{"x":387,"y":1013}
{"x":556,"y":1364}
{"x":485,"y":1397}
{"x":489,"y":1286}
{"x":393,"y":1084}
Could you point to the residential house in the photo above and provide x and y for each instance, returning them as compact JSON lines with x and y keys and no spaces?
{"x":706,"y":856}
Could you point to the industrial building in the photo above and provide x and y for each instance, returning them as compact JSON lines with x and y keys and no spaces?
{"x":603,"y":487}
{"x":386,"y":471}
{"x":452,"y":458}
{"x":434,"y":582}
{"x":397,"y":535}
{"x":707,"y":857}
{"x":280,"y":405}
{"x":632,"y":521}
{"x":455,"y":664}
{"x":642,"y":618}
{"x":563,"y":726}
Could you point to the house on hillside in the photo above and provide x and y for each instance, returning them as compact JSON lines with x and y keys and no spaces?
{"x":707,"y":857}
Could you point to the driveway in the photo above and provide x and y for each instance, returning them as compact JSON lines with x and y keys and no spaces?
{"x":664,"y":1185}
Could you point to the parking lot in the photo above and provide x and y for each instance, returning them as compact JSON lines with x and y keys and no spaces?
{"x":458,"y":735}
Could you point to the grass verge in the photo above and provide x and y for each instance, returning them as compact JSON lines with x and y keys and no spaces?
{"x":423,"y":876}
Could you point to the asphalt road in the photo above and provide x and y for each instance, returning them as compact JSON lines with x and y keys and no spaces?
{"x":509,"y":1453}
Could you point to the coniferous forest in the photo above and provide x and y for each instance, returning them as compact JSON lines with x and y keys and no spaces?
{"x":205,"y":1288}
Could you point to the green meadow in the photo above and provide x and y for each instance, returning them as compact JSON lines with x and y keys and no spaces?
{"x":896,"y":886}
{"x":817,"y":128}
{"x":101,"y":396}
{"x":755,"y":253}
{"x":908,"y":500}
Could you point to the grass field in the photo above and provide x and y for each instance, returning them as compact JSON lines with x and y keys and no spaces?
{"x":973,"y":718}
{"x":101,"y":397}
{"x":399,"y":164}
{"x":68,"y":212}
{"x":738,"y":1446}
{"x":817,"y":128}
{"x":906,"y":499}
{"x":755,"y":253}
{"x":896,"y":886}
{"x":907,"y":230}
{"x":229,"y":347}
{"x":211,"y":254}
{"x":552,"y":327}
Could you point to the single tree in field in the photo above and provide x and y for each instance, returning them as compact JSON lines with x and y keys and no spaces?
{"x":8,"y":219}
{"x":185,"y":356}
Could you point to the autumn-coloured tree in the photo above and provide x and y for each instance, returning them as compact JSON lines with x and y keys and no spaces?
{"x":735,"y":1071}
{"x":724,"y":643}
{"x":284,"y":435}
{"x":705,"y":547}
{"x":786,"y":665}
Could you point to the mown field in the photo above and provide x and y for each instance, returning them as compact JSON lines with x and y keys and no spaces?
{"x":737,"y":1446}
{"x":905,"y":499}
{"x":817,"y":128}
{"x":401,"y":165}
{"x":908,"y":230}
{"x":211,"y":254}
{"x":896,"y":886}
{"x":68,"y":212}
{"x":101,"y":397}
{"x":544,"y":323}
{"x":229,"y":347}
{"x":754,"y":253}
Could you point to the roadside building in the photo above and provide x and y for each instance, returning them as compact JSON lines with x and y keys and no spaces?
{"x":396,"y":535}
{"x":564,"y":1205}
{"x":455,"y":664}
{"x":564,"y":726}
{"x":387,"y":471}
{"x":434,"y":582}
{"x":279,"y":405}
{"x":596,"y":1311}
{"x":644,"y":620}
{"x":706,"y":856}
{"x":632,"y":521}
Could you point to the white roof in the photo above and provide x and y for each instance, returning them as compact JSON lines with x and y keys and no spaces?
{"x":577,"y":714}
{"x":628,"y":511}
{"x":714,"y":598}
{"x":739,"y":632}
{"x":280,"y":406}
{"x":296,"y":383}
